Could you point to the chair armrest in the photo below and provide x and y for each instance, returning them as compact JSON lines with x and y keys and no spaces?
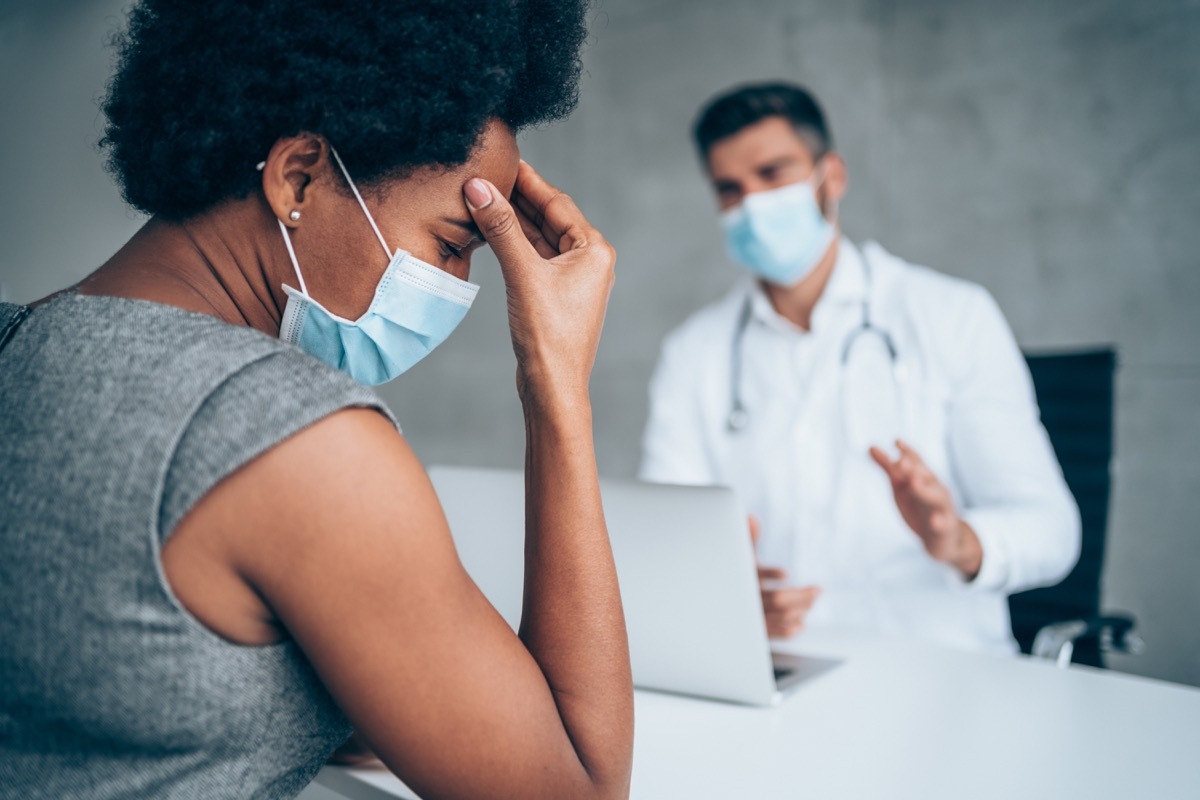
{"x":1116,"y":632}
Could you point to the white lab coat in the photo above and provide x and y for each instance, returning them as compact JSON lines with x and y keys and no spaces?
{"x":963,"y":399}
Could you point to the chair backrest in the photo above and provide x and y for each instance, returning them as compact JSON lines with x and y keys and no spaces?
{"x":1075,"y":395}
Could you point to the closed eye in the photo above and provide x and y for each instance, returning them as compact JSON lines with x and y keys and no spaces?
{"x":450,"y":251}
{"x":459,"y":251}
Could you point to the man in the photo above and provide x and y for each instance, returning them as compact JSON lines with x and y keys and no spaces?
{"x":876,"y":417}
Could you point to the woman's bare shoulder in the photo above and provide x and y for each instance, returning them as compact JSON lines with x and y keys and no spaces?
{"x":348,"y":478}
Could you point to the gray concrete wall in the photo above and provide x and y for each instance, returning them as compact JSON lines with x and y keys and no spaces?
{"x":1046,"y":150}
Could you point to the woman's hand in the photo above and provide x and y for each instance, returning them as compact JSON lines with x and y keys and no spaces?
{"x":357,"y":563}
{"x":558,"y":272}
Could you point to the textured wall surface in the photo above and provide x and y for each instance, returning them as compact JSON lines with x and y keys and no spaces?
{"x":1046,"y":150}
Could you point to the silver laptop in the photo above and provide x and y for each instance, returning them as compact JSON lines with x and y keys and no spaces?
{"x":686,"y":568}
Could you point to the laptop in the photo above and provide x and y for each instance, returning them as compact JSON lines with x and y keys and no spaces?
{"x":686,"y":568}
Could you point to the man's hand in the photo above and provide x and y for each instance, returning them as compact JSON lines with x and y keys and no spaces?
{"x":784,"y":607}
{"x":926,"y":505}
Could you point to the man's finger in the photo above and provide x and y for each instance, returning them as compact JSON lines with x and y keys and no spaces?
{"x":921,"y":485}
{"x":942,"y":520}
{"x":773,"y":602}
{"x":783,"y":629}
{"x":498,"y":223}
{"x":755,"y":529}
{"x":905,"y":469}
{"x":789,"y":598}
{"x":809,"y":598}
{"x":883,"y":460}
{"x":905,"y":450}
{"x":794,"y":618}
{"x":899,"y":471}
{"x":772,"y":574}
{"x":801,"y":598}
{"x":927,"y":486}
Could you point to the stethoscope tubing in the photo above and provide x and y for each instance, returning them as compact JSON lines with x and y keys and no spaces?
{"x":739,"y":415}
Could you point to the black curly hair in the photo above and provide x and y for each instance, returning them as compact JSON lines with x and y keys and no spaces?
{"x":203,"y":89}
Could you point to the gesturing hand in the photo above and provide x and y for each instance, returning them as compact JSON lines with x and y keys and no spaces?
{"x":928,"y":508}
{"x":558,"y":272}
{"x":785,"y":607}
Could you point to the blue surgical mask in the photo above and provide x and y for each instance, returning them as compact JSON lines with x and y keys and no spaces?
{"x":780,"y":235}
{"x":416,"y":306}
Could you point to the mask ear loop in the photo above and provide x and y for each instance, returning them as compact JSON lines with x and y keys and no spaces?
{"x":387,"y":252}
{"x":292,"y":253}
{"x":287,"y":240}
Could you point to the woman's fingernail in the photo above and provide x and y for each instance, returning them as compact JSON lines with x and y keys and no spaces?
{"x":478,"y":195}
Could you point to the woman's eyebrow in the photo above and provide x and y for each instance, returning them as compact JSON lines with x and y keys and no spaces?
{"x":467,"y":225}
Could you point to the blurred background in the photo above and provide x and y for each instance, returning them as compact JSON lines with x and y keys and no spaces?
{"x":1049,"y":151}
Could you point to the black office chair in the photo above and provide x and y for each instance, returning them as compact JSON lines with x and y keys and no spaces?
{"x":1063,"y":622}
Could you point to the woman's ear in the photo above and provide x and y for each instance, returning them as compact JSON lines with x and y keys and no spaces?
{"x":290,"y":169}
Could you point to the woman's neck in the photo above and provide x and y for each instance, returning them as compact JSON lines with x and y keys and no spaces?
{"x":218,"y":263}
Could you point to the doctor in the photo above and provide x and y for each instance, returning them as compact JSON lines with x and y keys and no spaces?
{"x":876,"y":417}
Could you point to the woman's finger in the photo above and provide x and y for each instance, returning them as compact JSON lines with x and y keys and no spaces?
{"x":561,"y":240}
{"x":534,"y":234}
{"x":560,"y":220}
{"x":497,"y":221}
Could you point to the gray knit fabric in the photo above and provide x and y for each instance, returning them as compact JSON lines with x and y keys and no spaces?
{"x":116,"y":417}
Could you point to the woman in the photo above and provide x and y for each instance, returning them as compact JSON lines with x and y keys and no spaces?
{"x":216,"y":551}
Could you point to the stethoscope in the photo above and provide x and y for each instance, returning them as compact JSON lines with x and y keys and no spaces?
{"x":739,"y":415}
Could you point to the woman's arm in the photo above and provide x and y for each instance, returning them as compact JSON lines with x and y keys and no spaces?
{"x":369,"y":584}
{"x":558,"y":273}
{"x":339,"y":531}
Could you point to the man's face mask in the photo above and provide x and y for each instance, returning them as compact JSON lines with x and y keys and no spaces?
{"x":779,"y":235}
{"x":415,"y":308}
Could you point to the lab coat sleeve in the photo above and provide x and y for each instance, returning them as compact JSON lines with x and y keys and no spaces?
{"x":673,"y":444}
{"x":1013,"y":493}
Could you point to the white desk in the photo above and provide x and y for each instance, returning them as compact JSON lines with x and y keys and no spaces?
{"x":902,"y":720}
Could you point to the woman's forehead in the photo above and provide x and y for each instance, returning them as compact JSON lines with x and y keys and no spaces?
{"x":496,"y":157}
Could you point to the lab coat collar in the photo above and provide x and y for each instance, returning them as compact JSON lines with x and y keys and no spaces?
{"x":847,"y":285}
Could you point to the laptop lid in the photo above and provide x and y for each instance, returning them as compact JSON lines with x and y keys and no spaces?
{"x":684,"y":561}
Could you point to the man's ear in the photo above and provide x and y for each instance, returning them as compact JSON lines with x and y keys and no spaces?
{"x":836,"y":182}
{"x":291,"y":167}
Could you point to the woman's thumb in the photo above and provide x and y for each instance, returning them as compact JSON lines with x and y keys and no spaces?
{"x":497,"y":222}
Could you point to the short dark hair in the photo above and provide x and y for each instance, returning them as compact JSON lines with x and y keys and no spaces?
{"x":203,"y":89}
{"x":741,"y":107}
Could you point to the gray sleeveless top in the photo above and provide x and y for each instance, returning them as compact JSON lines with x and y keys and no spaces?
{"x":116,"y":417}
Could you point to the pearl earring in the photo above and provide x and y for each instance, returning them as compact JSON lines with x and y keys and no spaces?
{"x":295,"y":215}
